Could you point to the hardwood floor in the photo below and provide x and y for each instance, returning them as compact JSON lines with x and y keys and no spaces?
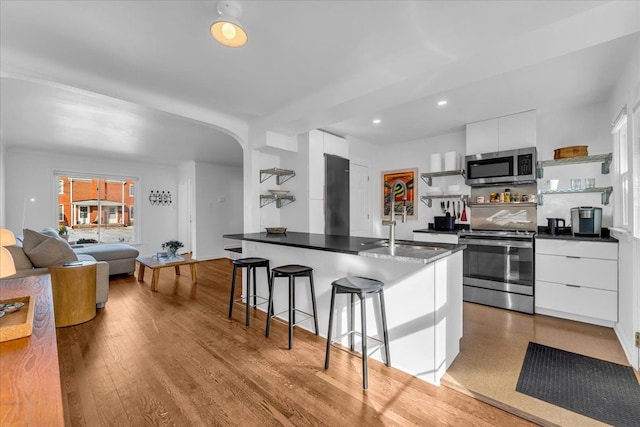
{"x":173,"y":357}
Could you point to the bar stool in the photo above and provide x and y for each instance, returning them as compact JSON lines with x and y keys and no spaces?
{"x":250,"y":264}
{"x":292,"y":271}
{"x":361,"y":287}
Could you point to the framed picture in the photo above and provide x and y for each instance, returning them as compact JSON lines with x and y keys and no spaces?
{"x":401,"y":188}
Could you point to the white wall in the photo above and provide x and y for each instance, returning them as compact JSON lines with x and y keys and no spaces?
{"x":29,"y":174}
{"x":218,"y":208}
{"x":3,"y":181}
{"x":414,"y":154}
{"x":587,"y":125}
{"x":627,"y":92}
{"x":295,"y":216}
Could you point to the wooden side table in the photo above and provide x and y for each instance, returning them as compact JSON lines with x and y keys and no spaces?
{"x":74,"y":292}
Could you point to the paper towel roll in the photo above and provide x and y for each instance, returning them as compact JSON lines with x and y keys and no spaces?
{"x":436,"y":162}
{"x":451,"y":161}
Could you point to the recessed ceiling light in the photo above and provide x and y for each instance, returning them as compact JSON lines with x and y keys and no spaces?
{"x":376,"y":121}
{"x":442,"y":103}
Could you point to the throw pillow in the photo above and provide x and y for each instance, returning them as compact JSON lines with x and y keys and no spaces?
{"x":44,"y":251}
{"x":50,"y":232}
{"x":20,"y":260}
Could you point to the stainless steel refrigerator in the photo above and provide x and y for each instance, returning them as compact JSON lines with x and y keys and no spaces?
{"x":336,"y":195}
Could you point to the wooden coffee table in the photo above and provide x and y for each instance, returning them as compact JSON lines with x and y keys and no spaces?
{"x":155,"y":265}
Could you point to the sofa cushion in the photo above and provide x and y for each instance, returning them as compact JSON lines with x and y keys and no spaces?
{"x":20,"y":260}
{"x":109,"y":251}
{"x":44,"y":250}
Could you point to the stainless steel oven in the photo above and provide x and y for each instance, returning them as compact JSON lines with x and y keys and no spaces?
{"x":499,"y":269}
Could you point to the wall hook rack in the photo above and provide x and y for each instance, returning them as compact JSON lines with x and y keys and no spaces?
{"x":160,"y":198}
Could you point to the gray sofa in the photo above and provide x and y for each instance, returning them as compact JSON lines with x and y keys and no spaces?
{"x":54,"y":250}
{"x":47,"y":248}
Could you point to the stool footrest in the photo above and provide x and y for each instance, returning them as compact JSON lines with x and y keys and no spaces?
{"x":308,"y":316}
{"x":243,"y":300}
{"x":341,"y":347}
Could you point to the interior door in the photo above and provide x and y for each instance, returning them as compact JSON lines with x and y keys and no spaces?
{"x":184,"y":213}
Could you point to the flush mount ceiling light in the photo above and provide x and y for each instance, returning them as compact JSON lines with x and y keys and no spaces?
{"x":227,"y":29}
{"x":442,"y":103}
{"x":376,"y":121}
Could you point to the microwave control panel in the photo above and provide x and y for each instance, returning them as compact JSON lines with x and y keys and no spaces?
{"x":525,"y":164}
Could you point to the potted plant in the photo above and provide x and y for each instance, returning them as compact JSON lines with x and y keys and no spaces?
{"x":63,"y":231}
{"x":172,"y":247}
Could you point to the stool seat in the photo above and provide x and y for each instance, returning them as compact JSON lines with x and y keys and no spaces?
{"x":251,"y":261}
{"x":357,"y":284}
{"x":291,"y":271}
{"x":360,"y":287}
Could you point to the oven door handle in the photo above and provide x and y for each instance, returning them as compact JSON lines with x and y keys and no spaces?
{"x":491,"y":242}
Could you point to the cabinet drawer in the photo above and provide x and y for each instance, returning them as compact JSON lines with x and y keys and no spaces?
{"x":580,"y":301}
{"x":603,"y":250}
{"x":588,"y":272}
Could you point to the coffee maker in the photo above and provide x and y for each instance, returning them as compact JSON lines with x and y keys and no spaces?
{"x":586,"y":220}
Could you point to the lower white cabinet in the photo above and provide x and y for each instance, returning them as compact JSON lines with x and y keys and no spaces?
{"x":577,"y":280}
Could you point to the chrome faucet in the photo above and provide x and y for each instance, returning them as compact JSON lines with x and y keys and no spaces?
{"x":391,"y":222}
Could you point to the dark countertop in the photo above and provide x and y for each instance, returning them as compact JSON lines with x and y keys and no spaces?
{"x":406,"y":250}
{"x":431,"y":229}
{"x":428,"y":230}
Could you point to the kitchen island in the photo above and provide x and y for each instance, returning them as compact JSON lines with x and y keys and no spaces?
{"x":423,"y":291}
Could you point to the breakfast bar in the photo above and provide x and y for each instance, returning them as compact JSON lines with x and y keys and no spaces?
{"x":422,"y":282}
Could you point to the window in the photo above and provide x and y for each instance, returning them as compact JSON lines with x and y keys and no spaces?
{"x":97,"y":208}
{"x":622,"y":179}
{"x":60,"y":186}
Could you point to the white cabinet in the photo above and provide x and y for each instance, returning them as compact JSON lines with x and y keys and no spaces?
{"x":435,"y":237}
{"x":577,"y":280}
{"x":335,"y":145}
{"x":316,"y":165}
{"x":482,"y":137}
{"x":321,"y":143}
{"x":502,"y":133}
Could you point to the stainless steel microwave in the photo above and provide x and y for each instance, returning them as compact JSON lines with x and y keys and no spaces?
{"x":502,"y":167}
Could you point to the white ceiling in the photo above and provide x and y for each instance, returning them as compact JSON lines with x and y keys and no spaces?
{"x":145,"y":78}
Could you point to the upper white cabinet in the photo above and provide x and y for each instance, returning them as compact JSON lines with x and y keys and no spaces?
{"x":502,"y":133}
{"x":482,"y":137}
{"x":321,"y":143}
{"x":316,"y":165}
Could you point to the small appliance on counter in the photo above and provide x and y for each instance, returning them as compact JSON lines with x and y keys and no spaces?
{"x":586,"y":220}
{"x":553,"y":224}
{"x":444,"y":223}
